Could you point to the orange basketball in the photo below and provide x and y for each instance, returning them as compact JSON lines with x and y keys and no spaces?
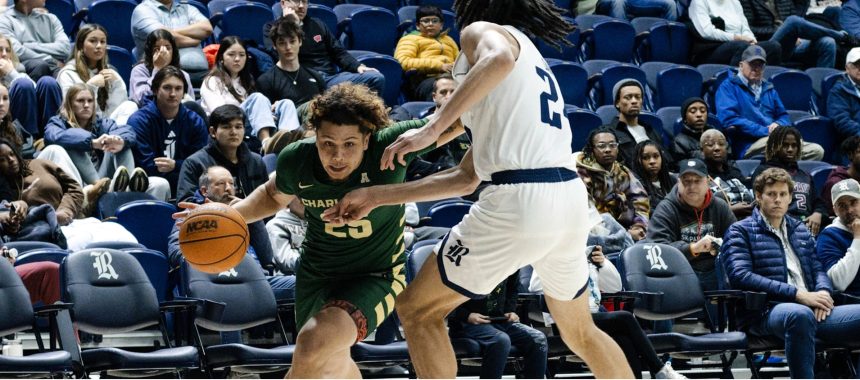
{"x":213,"y":238}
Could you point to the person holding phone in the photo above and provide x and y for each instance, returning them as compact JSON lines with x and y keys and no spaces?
{"x":493,"y":322}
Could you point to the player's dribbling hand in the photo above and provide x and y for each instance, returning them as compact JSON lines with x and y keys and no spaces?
{"x":355,"y":205}
{"x":188,"y":207}
{"x":410,"y":141}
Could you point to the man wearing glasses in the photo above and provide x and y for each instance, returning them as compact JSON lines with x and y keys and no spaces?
{"x":751,"y":105}
{"x":428,"y":49}
{"x":322,"y":52}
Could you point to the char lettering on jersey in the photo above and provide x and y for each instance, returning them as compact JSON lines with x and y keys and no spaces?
{"x":202,"y":225}
{"x":325,"y":203}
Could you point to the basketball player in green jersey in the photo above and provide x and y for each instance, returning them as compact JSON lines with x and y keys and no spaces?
{"x":349,"y":274}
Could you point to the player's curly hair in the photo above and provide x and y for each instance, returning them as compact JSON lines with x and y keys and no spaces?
{"x":348,"y":104}
{"x":539,"y":18}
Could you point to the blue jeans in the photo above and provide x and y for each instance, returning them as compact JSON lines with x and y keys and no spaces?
{"x":373,"y":79}
{"x":496,"y":340}
{"x":823,"y":41}
{"x":33,"y":104}
{"x":109,"y":163}
{"x":258,"y":109}
{"x":628,"y":9}
{"x":796,"y":325}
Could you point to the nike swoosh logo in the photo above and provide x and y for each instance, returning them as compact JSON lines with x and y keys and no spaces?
{"x":305,"y":186}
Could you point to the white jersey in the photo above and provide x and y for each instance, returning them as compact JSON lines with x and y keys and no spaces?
{"x":521,"y":124}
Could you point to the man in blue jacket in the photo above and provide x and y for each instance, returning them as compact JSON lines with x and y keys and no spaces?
{"x":750,"y":105}
{"x":774,"y":253}
{"x":843,"y":101}
{"x":166,"y":131}
{"x":838,"y":245}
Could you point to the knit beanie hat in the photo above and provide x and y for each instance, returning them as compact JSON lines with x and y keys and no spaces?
{"x":689,"y":102}
{"x":625,"y":83}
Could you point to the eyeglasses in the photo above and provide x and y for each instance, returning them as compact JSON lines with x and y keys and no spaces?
{"x":430,"y":20}
{"x":605,"y":146}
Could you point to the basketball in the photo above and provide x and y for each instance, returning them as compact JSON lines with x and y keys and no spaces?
{"x":213,"y":238}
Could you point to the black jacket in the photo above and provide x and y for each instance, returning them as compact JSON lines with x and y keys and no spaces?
{"x":249,"y":173}
{"x":320,"y":50}
{"x":762,"y":19}
{"x":503,"y":299}
{"x":627,"y":144}
{"x":686,"y":144}
{"x":679,"y":225}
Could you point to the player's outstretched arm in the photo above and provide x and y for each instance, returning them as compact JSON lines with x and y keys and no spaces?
{"x":492,"y":53}
{"x":263,"y":202}
{"x":356,"y":204}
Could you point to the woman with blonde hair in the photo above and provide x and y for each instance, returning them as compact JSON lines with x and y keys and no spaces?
{"x":89,"y":64}
{"x":30,"y":104}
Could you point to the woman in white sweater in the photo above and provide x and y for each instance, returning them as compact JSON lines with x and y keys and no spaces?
{"x":89,"y":64}
{"x":724,"y":33}
{"x":231,"y":82}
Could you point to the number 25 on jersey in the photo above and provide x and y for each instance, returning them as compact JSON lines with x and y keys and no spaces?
{"x":358,"y":229}
{"x":546,"y":115}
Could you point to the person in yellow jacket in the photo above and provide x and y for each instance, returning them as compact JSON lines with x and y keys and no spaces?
{"x":428,"y":50}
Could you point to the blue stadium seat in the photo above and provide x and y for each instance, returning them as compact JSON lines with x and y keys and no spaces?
{"x":819,"y":177}
{"x":268,"y":3}
{"x":670,"y":117}
{"x":418,"y":110}
{"x":820,"y":130}
{"x":424,"y":207}
{"x":567,"y":53}
{"x":16,"y":315}
{"x":121,"y":245}
{"x":24,"y":246}
{"x":391,"y":5}
{"x":771,"y":70}
{"x":111,"y":294}
{"x":322,"y":13}
{"x":271,"y":162}
{"x":115,"y":17}
{"x":231,"y":288}
{"x":217,"y":8}
{"x":609,"y":76}
{"x":149,"y":221}
{"x":204,"y":10}
{"x":658,"y":39}
{"x":65,"y":12}
{"x":244,"y":19}
{"x":606,"y":113}
{"x":328,"y":3}
{"x":608,"y":39}
{"x":54,"y":255}
{"x":393,"y":72}
{"x":682,"y":295}
{"x":587,"y":21}
{"x":823,"y":79}
{"x":582,"y":122}
{"x":713,"y":75}
{"x":672,"y":84}
{"x":810,"y":166}
{"x":747,"y":167}
{"x":156,"y":266}
{"x":373,"y":29}
{"x":445,"y":5}
{"x":572,"y":80}
{"x":122,"y":60}
{"x":794,"y":88}
{"x":796,"y":115}
{"x":110,"y":202}
{"x":448,"y":214}
{"x":343,"y":13}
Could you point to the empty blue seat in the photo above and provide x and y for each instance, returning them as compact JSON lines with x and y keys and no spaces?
{"x":672,"y":83}
{"x":65,"y":11}
{"x":156,"y":266}
{"x":24,"y":246}
{"x":820,"y":130}
{"x":823,"y":79}
{"x":418,"y":110}
{"x":115,"y":17}
{"x":391,"y":5}
{"x":424,"y":207}
{"x":819,"y":177}
{"x":608,"y":39}
{"x":322,"y":13}
{"x":747,"y":167}
{"x":121,"y":245}
{"x":810,"y":166}
{"x":393,"y":72}
{"x":661,"y":40}
{"x":582,"y":122}
{"x":54,"y":255}
{"x":445,"y":5}
{"x":110,"y":202}
{"x":149,"y":221}
{"x":669,"y":117}
{"x":606,"y":113}
{"x":271,"y":162}
{"x":794,"y":88}
{"x":373,"y":29}
{"x":204,"y":10}
{"x":244,"y":20}
{"x":122,"y":60}
{"x":572,"y":80}
{"x":448,"y":214}
{"x":567,"y":53}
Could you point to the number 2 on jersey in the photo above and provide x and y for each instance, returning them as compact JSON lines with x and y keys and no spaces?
{"x":547,"y":116}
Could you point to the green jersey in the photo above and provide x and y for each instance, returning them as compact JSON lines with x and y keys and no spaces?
{"x":370,"y":245}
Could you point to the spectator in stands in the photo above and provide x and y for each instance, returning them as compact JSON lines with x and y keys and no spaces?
{"x":629,"y":9}
{"x":427,"y":50}
{"x":89,"y":65}
{"x":843,"y":101}
{"x":37,"y":37}
{"x":494,"y":323}
{"x":41,"y":279}
{"x":849,"y":17}
{"x":166,"y":132}
{"x":31,"y":106}
{"x":722,"y":34}
{"x":157,"y":54}
{"x":650,"y":171}
{"x":851,"y":150}
{"x":801,"y":40}
{"x":836,"y":247}
{"x":612,"y":186}
{"x":98,"y":148}
{"x":751,"y":105}
{"x":629,"y":129}
{"x":231,"y":82}
{"x":31,"y":183}
{"x":10,"y":129}
{"x":216,"y":184}
{"x":322,"y":52}
{"x":694,"y":121}
{"x":226,"y":148}
{"x":289,"y":79}
{"x":693,"y":220}
{"x":188,"y":26}
{"x":726,"y":180}
{"x":774,"y":253}
{"x":448,"y":155}
{"x":782,"y":152}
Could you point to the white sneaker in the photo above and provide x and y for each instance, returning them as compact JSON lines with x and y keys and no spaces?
{"x":667,"y":372}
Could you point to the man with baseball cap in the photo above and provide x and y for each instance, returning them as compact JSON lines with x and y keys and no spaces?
{"x":691,"y":219}
{"x":839,"y":243}
{"x":751,"y":105}
{"x":843,"y":99}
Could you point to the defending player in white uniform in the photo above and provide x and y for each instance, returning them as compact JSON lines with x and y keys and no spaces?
{"x":536,"y":211}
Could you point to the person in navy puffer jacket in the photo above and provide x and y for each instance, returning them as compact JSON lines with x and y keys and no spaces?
{"x":774,"y":253}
